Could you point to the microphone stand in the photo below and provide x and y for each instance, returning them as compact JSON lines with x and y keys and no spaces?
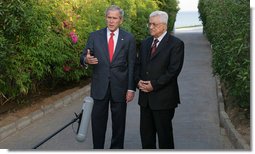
{"x":78,"y":117}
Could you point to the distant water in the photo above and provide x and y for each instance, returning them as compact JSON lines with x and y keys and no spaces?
{"x":184,"y":19}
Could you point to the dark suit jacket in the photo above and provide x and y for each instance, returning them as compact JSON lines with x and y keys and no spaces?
{"x":119,"y":73}
{"x":162,"y":70}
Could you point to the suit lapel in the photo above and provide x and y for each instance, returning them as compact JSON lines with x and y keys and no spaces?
{"x":105,"y":44}
{"x":148,"y":48}
{"x":119,"y":44}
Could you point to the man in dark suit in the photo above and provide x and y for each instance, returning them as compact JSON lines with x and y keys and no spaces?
{"x":112,"y":53}
{"x":159,"y":63}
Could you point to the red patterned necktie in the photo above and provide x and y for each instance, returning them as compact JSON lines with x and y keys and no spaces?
{"x":154,"y":47}
{"x":111,"y":46}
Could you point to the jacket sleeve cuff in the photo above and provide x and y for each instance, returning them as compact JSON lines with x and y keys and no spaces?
{"x":155,"y":85}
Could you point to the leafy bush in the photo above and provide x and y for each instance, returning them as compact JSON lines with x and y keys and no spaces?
{"x":38,"y":47}
{"x":227,"y":26}
{"x":171,"y":7}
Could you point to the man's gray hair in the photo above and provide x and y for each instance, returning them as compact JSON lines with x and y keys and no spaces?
{"x":163,"y":16}
{"x":114,"y":8}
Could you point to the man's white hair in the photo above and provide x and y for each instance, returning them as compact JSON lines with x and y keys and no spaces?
{"x":163,"y":16}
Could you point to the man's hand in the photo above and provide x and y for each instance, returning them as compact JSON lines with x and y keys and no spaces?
{"x":90,"y":59}
{"x":145,"y":86}
{"x":130,"y":96}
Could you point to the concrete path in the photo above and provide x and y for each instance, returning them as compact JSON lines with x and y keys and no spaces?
{"x":196,"y":122}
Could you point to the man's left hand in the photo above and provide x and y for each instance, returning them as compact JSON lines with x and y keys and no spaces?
{"x":145,"y":86}
{"x":130,"y":96}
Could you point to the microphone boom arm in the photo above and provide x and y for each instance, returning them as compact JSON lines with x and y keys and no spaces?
{"x":83,"y":117}
{"x":78,"y":117}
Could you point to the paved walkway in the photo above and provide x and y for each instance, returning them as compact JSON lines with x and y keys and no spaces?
{"x":196,"y":122}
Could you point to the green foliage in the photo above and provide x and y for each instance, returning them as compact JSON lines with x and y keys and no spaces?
{"x":227,"y":26}
{"x":38,"y":39}
{"x":171,"y":7}
{"x":140,"y":18}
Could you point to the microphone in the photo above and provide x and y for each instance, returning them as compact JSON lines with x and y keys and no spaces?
{"x":88,"y":103}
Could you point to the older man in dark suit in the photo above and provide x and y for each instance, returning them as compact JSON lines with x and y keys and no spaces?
{"x":112,"y":53}
{"x":159,"y":63}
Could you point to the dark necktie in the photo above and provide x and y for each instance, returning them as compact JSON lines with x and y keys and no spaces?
{"x":154,"y":47}
{"x":111,"y":46}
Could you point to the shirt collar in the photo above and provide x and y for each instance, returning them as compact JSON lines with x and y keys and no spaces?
{"x":116,"y":32}
{"x":161,"y":36}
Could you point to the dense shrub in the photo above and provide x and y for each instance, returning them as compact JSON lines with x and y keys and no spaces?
{"x":36,"y":49}
{"x":171,"y":7}
{"x":41,"y":40}
{"x":227,"y":26}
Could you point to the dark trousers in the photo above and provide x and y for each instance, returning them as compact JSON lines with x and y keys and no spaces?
{"x":156,"y":122}
{"x":99,"y":122}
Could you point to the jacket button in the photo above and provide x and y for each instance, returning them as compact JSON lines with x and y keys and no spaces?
{"x":147,"y":73}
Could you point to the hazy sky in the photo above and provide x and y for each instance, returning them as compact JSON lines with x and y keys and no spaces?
{"x":188,"y":5}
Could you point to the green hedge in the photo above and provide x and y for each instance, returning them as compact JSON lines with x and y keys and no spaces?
{"x":38,"y":39}
{"x":227,"y":26}
{"x":171,"y":7}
